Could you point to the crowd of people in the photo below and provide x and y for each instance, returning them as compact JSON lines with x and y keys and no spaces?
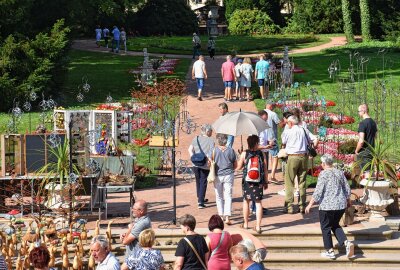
{"x":117,"y":36}
{"x":332,"y":192}
{"x":237,"y":74}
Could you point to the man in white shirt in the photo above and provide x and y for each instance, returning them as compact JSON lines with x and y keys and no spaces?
{"x":296,"y":139}
{"x":102,"y":255}
{"x":199,"y":73}
{"x":273,"y":121}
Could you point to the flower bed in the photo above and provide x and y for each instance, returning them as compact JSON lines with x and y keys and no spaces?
{"x":300,"y":103}
{"x":329,"y":144}
{"x":313,"y":117}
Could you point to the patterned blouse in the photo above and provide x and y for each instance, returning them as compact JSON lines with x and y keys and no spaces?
{"x":145,"y":259}
{"x":332,"y":190}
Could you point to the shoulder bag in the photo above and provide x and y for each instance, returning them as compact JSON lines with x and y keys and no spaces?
{"x":195,"y":252}
{"x":199,"y":159}
{"x":212,"y":175}
{"x":310,"y":148}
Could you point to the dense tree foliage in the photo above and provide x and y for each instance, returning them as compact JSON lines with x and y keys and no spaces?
{"x":271,"y":7}
{"x":348,"y":26}
{"x":365,"y":20}
{"x":36,"y":64}
{"x":166,"y":17}
{"x":323,"y":16}
{"x":251,"y":21}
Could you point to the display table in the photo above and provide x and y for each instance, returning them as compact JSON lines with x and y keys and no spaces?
{"x":105,"y":189}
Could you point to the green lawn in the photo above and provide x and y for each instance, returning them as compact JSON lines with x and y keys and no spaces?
{"x":105,"y":72}
{"x":225,"y":44}
{"x":316,"y":72}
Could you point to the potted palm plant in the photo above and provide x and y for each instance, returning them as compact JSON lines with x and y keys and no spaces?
{"x":58,"y":181}
{"x":379,"y":179}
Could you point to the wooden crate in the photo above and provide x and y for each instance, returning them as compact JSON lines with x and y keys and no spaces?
{"x":12,"y":155}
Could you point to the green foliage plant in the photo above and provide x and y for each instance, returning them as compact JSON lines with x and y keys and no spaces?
{"x":348,"y":147}
{"x":365,"y":20}
{"x":36,"y":64}
{"x":347,"y":21}
{"x":250,"y":22}
{"x":56,"y":174}
{"x":166,"y":17}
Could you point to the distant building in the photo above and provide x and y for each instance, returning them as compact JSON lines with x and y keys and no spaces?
{"x":196,"y":4}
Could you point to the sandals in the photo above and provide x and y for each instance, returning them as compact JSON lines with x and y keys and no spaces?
{"x":257,"y":230}
{"x":243,"y":227}
{"x":228,"y":222}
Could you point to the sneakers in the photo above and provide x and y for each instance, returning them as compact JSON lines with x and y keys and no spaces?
{"x":328,"y":254}
{"x":199,"y":98}
{"x":282,"y":192}
{"x":201,"y":206}
{"x":349,"y":249}
{"x":296,"y":193}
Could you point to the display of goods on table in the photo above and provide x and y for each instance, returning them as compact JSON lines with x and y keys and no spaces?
{"x":333,"y":139}
{"x":313,"y":117}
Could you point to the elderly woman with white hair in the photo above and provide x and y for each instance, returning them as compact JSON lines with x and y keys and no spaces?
{"x":333,"y":195}
{"x":200,"y":154}
{"x":257,"y":255}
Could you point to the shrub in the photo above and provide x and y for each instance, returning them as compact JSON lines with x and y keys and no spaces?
{"x":348,"y":147}
{"x":251,"y":21}
{"x":324,"y":16}
{"x":166,"y":17}
{"x":36,"y":64}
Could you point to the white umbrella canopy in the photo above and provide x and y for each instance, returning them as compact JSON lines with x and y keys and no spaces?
{"x":240,"y":123}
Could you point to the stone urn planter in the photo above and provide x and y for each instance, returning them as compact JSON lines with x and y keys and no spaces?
{"x":213,"y":15}
{"x":377,"y":197}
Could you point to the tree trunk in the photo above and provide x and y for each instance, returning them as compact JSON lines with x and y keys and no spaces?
{"x":365,"y":20}
{"x":348,"y":25}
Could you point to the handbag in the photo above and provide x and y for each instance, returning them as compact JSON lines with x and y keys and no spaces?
{"x":195,"y":252}
{"x":310,"y":148}
{"x":212,"y":175}
{"x":199,"y":159}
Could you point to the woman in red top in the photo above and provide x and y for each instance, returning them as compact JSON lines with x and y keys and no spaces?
{"x":219,"y":242}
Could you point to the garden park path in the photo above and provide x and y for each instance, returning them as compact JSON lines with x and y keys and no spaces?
{"x":206,"y":111}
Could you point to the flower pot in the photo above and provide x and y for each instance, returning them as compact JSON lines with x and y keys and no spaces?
{"x":377,"y":197}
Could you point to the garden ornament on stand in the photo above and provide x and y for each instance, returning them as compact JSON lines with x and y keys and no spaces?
{"x":379,"y":175}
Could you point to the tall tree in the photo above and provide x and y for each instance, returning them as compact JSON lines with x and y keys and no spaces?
{"x":365,"y":20}
{"x":348,"y":25}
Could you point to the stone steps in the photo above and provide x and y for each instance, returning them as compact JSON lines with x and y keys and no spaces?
{"x":375,"y":247}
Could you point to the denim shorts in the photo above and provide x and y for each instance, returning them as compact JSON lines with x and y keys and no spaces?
{"x":200,"y":83}
{"x":261,"y":82}
{"x":228,"y":83}
{"x":274,"y":151}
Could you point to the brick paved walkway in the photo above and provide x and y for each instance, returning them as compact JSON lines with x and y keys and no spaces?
{"x":160,"y":198}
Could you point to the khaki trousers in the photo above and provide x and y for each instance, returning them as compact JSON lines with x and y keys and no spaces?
{"x":296,"y":166}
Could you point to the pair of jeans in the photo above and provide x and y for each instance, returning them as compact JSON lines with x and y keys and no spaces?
{"x":201,"y":183}
{"x":223,"y":193}
{"x":296,"y":166}
{"x":196,"y":51}
{"x":116,"y":43}
{"x":329,"y":221}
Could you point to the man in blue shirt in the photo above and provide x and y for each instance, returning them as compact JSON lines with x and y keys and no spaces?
{"x":223,"y":108}
{"x":261,"y":76}
{"x":106,"y":35}
{"x":116,"y":33}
